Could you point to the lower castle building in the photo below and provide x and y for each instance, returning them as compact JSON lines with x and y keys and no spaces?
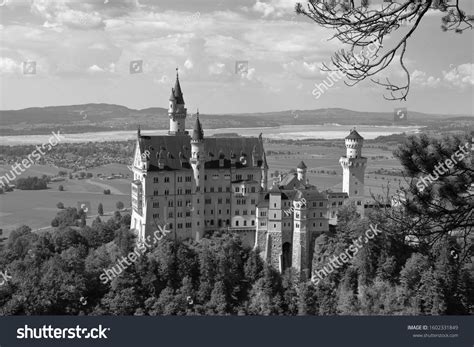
{"x":197,"y":185}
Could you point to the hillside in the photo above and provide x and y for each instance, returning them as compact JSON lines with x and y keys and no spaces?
{"x":103,"y":117}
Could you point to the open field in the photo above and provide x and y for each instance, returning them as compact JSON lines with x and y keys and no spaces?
{"x":36,"y":208}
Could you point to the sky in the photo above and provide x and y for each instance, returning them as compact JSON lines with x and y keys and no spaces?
{"x":74,"y":52}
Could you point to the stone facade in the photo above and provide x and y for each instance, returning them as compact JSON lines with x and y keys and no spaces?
{"x":196,"y":185}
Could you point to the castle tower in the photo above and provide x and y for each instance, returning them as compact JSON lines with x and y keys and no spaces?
{"x":176,"y":110}
{"x":274,"y":236}
{"x":301,"y":238}
{"x":197,"y":163}
{"x":353,"y":166}
{"x":301,"y":172}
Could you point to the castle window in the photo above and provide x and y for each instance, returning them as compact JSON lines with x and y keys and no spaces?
{"x":237,"y":212}
{"x":167,"y":179}
{"x":320,"y":214}
{"x":245,"y":212}
{"x":219,"y":189}
{"x":212,"y":189}
{"x":237,"y":189}
{"x":356,"y":192}
{"x":170,"y":215}
{"x":156,"y":215}
{"x":333,"y":214}
{"x":212,"y":211}
{"x":227,"y":201}
{"x":252,"y":201}
{"x":253,"y":222}
{"x":340,"y":203}
{"x":238,"y":177}
{"x":334,"y":203}
{"x":155,"y":192}
{"x":314,"y":203}
{"x":236,"y":223}
{"x":205,"y":177}
{"x":262,"y":224}
{"x":156,"y":204}
{"x":228,"y":211}
{"x":297,"y":225}
{"x":219,"y":201}
{"x":297,"y":215}
{"x":359,"y":203}
{"x":180,"y":225}
{"x":275,"y":205}
{"x":188,"y":191}
{"x":220,"y":211}
{"x":250,"y":177}
{"x":321,"y":204}
{"x":212,"y":221}
{"x":252,"y":212}
{"x":170,"y":203}
{"x":155,"y":179}
{"x":188,"y":179}
{"x":179,"y":203}
{"x":274,"y":225}
{"x":245,"y":223}
{"x":180,"y":179}
{"x":263,"y":214}
{"x":167,"y":192}
{"x":188,"y":225}
{"x":274,"y":215}
{"x":188,"y":214}
{"x":208,"y":201}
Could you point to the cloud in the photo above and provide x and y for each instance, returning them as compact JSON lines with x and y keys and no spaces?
{"x":9,"y":66}
{"x":188,"y":64}
{"x":275,"y":8}
{"x":420,"y":78}
{"x":460,"y":76}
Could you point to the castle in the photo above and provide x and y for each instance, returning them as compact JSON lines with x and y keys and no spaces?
{"x":196,"y":185}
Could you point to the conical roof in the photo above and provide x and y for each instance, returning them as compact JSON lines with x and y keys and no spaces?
{"x":354,"y":135}
{"x":198,"y":134}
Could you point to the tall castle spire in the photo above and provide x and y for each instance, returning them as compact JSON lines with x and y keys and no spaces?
{"x":177,"y":111}
{"x":178,"y":94}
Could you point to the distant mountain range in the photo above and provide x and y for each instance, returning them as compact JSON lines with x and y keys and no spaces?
{"x":107,"y":117}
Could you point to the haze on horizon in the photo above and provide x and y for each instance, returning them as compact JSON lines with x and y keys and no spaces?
{"x":83,"y":52}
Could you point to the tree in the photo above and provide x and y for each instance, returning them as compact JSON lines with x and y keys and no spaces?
{"x":119,"y":205}
{"x":360,"y":26}
{"x":100,"y":209}
{"x":60,"y":205}
{"x":106,"y":191}
{"x":438,"y":200}
{"x":61,"y":188}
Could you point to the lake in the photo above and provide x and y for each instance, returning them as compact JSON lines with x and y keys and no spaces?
{"x":326,"y":131}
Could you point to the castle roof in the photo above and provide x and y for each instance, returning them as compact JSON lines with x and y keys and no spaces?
{"x":198,"y":134}
{"x":177,"y":93}
{"x":214,"y":147}
{"x":354,"y":135}
{"x":302,"y":165}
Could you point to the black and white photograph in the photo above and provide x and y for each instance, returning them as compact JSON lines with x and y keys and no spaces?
{"x":218,"y":171}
